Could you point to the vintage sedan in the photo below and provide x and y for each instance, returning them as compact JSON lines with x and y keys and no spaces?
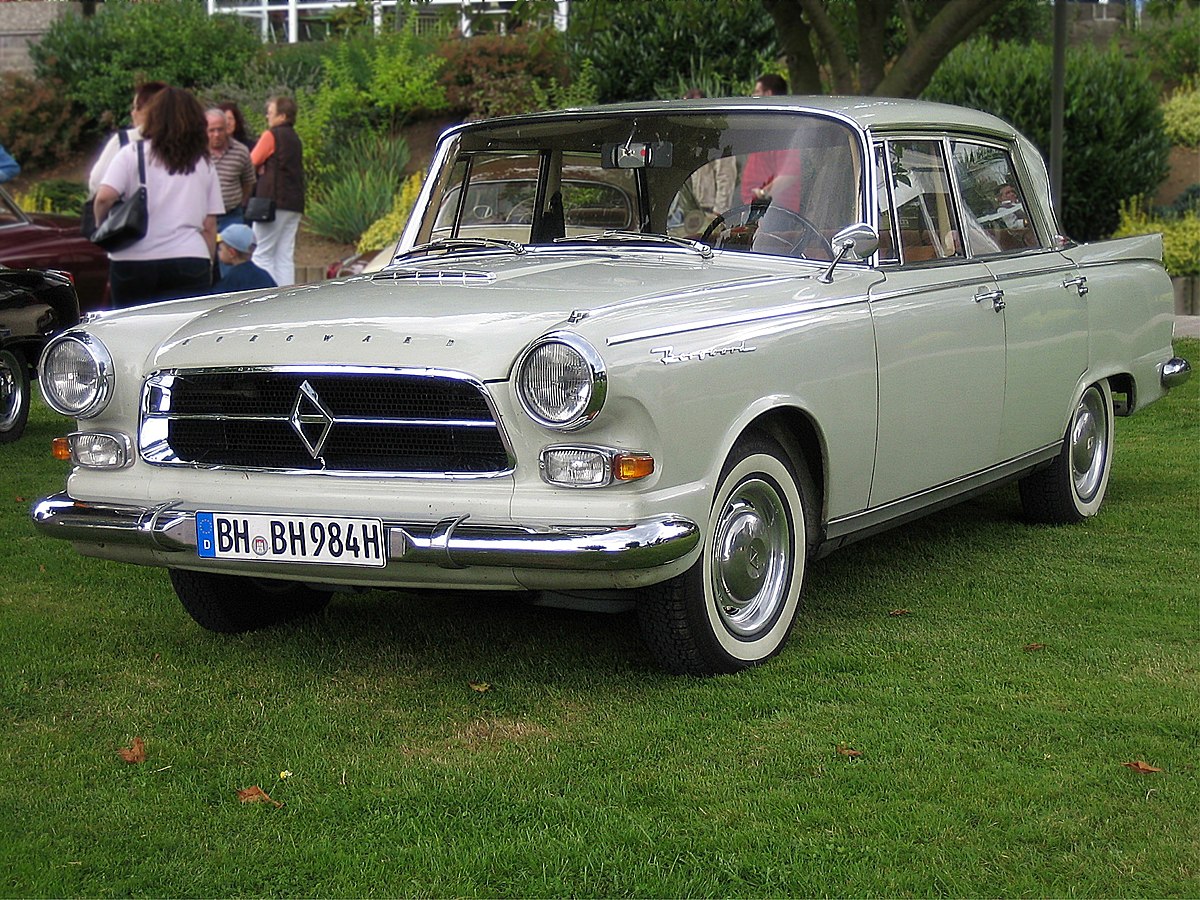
{"x":35,"y":304}
{"x":667,"y":410}
{"x":52,"y":241}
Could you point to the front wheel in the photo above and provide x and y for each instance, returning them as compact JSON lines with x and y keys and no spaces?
{"x":1072,"y":488}
{"x":231,"y":604}
{"x":735,"y":607}
{"x":14,"y":396}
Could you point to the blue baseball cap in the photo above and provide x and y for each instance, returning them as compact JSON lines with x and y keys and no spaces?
{"x":239,"y":237}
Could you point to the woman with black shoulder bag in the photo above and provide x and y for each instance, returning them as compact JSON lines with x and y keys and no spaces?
{"x":183,"y":200}
{"x":278,"y":201}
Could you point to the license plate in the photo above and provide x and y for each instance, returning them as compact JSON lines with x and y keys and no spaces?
{"x":330,"y":540}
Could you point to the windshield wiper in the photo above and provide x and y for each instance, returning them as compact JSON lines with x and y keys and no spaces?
{"x":637,"y":237}
{"x":451,"y":244}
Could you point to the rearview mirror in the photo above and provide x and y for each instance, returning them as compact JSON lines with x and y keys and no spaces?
{"x":636,"y":155}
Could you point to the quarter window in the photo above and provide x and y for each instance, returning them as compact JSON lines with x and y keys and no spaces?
{"x":997,"y":217}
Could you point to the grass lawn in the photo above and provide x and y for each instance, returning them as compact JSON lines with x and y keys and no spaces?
{"x":993,"y":718}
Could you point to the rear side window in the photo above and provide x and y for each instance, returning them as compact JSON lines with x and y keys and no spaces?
{"x":924,"y":221}
{"x":997,"y":216}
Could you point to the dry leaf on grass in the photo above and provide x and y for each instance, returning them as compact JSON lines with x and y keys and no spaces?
{"x":843,"y":750}
{"x":1031,"y":648}
{"x":898,"y":612}
{"x":257,"y":795}
{"x":1138,"y":766}
{"x":136,"y":753}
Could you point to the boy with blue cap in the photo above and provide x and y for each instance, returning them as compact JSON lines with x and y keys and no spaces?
{"x":235,"y":246}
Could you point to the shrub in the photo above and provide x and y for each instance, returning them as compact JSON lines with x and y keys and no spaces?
{"x":720,"y":45}
{"x":57,"y":195}
{"x":99,"y":59}
{"x":369,"y":86}
{"x":39,"y":127}
{"x":1181,"y":116}
{"x":1181,"y":235}
{"x":386,"y":230}
{"x":366,"y":174}
{"x":1170,"y":42}
{"x":499,"y":74}
{"x":1115,"y":147}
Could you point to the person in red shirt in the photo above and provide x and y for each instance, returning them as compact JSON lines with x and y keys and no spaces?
{"x":772,"y":176}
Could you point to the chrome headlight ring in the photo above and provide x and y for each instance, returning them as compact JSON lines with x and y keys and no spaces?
{"x":561,"y":381}
{"x":76,"y":375}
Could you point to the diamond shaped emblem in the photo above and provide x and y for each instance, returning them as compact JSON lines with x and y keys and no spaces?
{"x":311,"y":419}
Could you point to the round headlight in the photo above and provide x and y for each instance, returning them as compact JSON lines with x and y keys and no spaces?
{"x":561,"y":381}
{"x":76,"y":375}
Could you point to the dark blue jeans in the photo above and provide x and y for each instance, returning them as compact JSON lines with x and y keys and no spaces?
{"x":132,"y":282}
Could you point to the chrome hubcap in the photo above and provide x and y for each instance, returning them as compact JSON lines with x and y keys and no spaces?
{"x":752,"y":555}
{"x":10,"y":397}
{"x":1089,"y":444}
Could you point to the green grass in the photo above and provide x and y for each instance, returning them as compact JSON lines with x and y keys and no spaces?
{"x":987,"y":769}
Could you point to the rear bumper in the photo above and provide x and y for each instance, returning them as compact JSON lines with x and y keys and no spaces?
{"x":1175,"y":372}
{"x":450,"y":544}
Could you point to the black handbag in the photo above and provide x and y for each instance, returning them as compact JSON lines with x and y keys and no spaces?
{"x":126,"y":222}
{"x":259,"y":209}
{"x":87,"y":218}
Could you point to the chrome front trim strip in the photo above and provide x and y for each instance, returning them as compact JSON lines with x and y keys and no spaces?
{"x":783,"y":313}
{"x":451,"y":543}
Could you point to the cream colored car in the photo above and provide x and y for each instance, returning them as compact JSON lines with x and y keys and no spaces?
{"x":583,"y":382}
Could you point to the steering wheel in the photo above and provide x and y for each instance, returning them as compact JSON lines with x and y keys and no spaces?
{"x":761,"y":235}
{"x":521,"y":213}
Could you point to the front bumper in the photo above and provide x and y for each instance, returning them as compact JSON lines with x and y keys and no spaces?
{"x":450,"y":544}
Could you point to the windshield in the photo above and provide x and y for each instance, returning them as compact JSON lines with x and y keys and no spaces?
{"x":778,"y":183}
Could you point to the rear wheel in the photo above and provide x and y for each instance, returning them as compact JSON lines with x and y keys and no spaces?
{"x":736,"y":606}
{"x":1072,"y":488}
{"x":230,"y":604}
{"x":14,"y":396}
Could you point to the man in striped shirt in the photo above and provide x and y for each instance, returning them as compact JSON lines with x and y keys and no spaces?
{"x":231,"y":159}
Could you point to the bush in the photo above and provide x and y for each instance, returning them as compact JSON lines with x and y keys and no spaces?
{"x":1170,"y":41}
{"x":99,"y":59}
{"x":1181,"y":235}
{"x":640,"y":50}
{"x":387,"y":230}
{"x":500,"y":74}
{"x":1115,"y":146}
{"x":39,"y":127}
{"x":56,"y":195}
{"x":1181,"y":116}
{"x":366,"y":174}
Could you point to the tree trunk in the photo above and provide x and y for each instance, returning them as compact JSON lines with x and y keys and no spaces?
{"x":953,"y":24}
{"x":804,"y":77}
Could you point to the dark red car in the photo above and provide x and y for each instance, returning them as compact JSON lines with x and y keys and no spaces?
{"x":50,"y":241}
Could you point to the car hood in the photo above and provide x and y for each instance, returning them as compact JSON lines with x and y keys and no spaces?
{"x":472,"y":314}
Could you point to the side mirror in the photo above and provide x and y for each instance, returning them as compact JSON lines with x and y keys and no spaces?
{"x":856,"y":242}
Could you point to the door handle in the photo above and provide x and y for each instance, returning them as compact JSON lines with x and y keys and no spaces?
{"x":996,"y":295}
{"x":1079,"y":282}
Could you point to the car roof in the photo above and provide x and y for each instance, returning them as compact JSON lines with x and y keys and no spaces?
{"x":874,"y":114}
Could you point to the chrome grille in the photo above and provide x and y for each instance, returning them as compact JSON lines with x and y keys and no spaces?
{"x":331,"y":419}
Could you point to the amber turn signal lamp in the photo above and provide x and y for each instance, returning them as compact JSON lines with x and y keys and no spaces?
{"x":60,"y":448}
{"x":631,"y":466}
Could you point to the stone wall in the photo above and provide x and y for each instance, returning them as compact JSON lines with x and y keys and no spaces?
{"x":23,"y":22}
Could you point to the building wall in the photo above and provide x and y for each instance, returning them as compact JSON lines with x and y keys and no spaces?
{"x":23,"y":22}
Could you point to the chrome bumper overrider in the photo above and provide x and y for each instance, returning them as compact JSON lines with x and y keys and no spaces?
{"x":1175,"y":372}
{"x":450,"y":543}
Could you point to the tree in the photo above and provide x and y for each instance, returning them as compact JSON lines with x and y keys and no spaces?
{"x":888,"y":48}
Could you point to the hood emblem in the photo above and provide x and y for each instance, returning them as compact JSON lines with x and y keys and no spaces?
{"x":311,"y":419}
